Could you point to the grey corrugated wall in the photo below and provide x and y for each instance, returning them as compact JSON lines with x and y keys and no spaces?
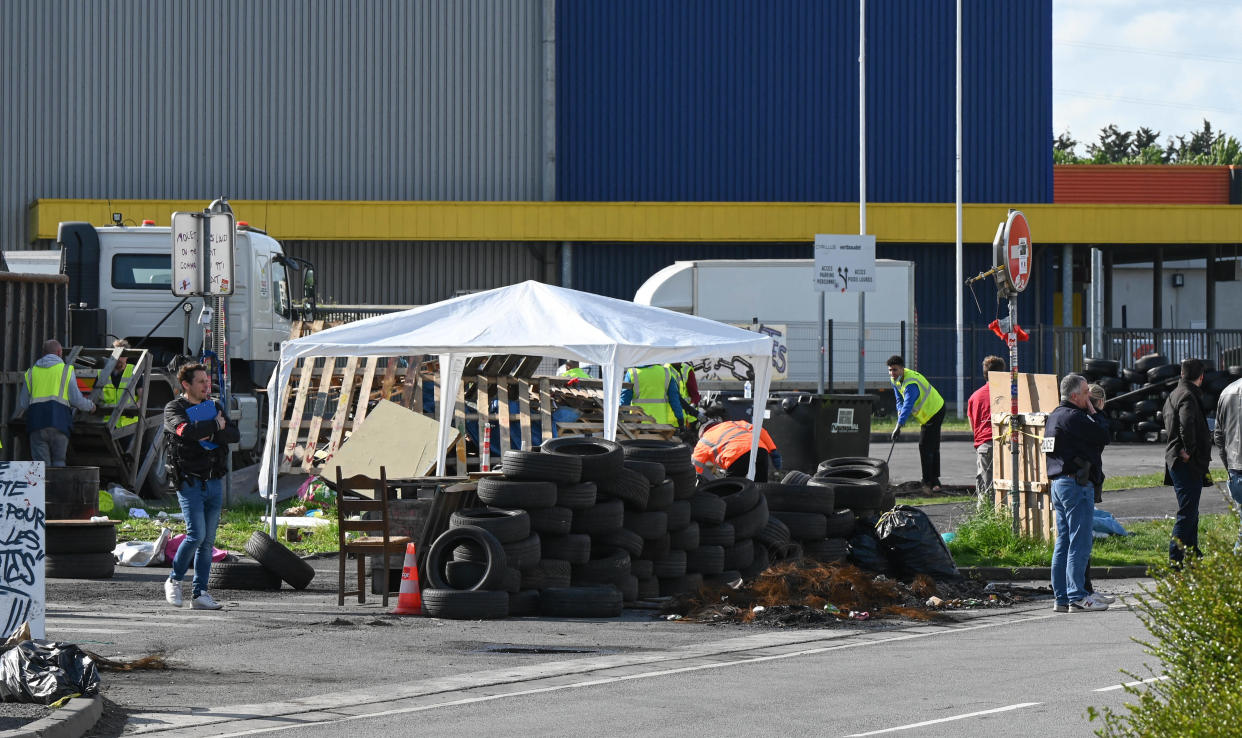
{"x":420,"y":272}
{"x":280,"y":99}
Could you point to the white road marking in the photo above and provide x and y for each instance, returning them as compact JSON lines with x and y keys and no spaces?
{"x":1006,"y":708}
{"x":1131,"y":684}
{"x":318,"y":710}
{"x":64,"y":629}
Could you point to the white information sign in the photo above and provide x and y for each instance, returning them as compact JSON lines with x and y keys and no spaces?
{"x":189,"y":232}
{"x":220,"y":253}
{"x":844,"y":263}
{"x":23,"y":546}
{"x":187,"y":255}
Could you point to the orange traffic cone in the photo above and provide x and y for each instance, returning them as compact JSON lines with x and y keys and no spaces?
{"x":409,"y":599}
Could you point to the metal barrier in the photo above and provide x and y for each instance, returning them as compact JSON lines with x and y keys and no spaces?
{"x":33,"y":308}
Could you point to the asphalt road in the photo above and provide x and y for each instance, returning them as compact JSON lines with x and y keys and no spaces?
{"x":295,"y":663}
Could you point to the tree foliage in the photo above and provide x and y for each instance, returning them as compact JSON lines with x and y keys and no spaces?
{"x":1114,"y":145}
{"x":1194,"y":617}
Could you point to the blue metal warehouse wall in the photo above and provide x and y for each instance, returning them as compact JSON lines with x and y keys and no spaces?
{"x":733,"y":100}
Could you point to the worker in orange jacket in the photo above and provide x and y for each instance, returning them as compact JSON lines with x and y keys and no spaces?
{"x":725,"y":445}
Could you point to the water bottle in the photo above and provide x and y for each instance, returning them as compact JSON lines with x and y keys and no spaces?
{"x":747,"y":390}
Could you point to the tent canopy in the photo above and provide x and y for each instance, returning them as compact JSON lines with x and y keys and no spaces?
{"x":529,"y":318}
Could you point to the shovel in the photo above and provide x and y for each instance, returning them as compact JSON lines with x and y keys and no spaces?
{"x":891,"y":446}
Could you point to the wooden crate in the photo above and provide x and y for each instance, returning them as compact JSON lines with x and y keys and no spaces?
{"x":1038,"y":394}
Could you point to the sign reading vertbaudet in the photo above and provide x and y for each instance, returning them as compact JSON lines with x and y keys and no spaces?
{"x":844,"y":263}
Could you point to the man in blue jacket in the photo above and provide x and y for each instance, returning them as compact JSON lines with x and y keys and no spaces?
{"x":1074,"y":439}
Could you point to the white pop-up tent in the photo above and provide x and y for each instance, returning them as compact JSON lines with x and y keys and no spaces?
{"x":530,"y":318}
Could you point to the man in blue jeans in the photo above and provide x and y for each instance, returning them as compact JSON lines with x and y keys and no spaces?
{"x":1228,"y":439}
{"x":1074,"y":439}
{"x":198,"y":434}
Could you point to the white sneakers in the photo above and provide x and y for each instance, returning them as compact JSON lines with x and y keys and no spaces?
{"x":172,"y":592}
{"x":204,"y":602}
{"x":1107,"y":599}
{"x":1088,"y":604}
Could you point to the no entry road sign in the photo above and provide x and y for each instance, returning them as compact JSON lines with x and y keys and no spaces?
{"x":1013,"y":251}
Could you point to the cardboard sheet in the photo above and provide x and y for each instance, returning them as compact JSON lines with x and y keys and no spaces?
{"x":393,"y":437}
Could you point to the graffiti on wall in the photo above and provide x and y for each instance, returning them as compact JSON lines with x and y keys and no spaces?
{"x":739,"y":368}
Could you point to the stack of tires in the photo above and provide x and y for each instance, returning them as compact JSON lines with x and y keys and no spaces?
{"x":728,"y":550}
{"x":809,"y":514}
{"x":664,"y":523}
{"x":533,"y":547}
{"x":469,"y":572}
{"x":79,"y":549}
{"x":1141,"y":418}
{"x":273,"y":563}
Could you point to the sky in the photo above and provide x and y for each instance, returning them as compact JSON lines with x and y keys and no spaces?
{"x":1164,"y":64}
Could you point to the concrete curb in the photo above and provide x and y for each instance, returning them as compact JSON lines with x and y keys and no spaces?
{"x":71,"y":721}
{"x":1029,"y":573}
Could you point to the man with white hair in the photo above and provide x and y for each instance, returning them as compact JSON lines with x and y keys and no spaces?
{"x":1074,"y":439}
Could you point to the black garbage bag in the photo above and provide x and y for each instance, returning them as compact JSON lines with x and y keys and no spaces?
{"x":867,"y":553}
{"x":914,"y":544}
{"x":45,"y":671}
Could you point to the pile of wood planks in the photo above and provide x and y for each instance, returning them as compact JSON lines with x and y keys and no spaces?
{"x":329,"y":398}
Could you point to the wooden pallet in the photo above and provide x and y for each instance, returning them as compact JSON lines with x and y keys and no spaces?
{"x":329,"y":398}
{"x":1038,"y":394}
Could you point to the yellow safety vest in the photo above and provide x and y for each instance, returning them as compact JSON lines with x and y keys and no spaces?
{"x":576,"y":373}
{"x":682,"y":374}
{"x":651,"y":392}
{"x":929,"y":402}
{"x":48,"y":388}
{"x":110,"y":395}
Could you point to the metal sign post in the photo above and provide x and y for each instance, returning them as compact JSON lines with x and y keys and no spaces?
{"x":1012,"y":251}
{"x":203,"y":266}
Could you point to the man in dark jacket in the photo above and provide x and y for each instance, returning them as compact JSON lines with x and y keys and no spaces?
{"x":1187,"y":456}
{"x":198,"y":434}
{"x":1074,"y":439}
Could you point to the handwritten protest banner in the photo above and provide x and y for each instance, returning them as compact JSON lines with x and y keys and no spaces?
{"x":22,"y":546}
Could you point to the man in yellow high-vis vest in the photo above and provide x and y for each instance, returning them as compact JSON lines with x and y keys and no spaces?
{"x":655,"y":392}
{"x":917,"y":399}
{"x":49,"y":393}
{"x":114,"y":386}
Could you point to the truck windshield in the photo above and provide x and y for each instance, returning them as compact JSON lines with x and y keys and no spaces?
{"x":280,"y":291}
{"x":142,"y":272}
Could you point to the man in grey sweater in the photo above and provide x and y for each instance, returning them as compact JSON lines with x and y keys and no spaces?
{"x":1228,"y":440}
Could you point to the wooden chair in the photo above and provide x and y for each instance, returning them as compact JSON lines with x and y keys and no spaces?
{"x":348,"y":505}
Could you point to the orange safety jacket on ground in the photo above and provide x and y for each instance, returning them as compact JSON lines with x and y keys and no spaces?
{"x":724,"y":443}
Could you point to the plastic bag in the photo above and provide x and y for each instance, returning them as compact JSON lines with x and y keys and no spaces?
{"x":1105,"y":523}
{"x":174,"y":543}
{"x":867,"y":553}
{"x":317,"y":494}
{"x":46,"y":671}
{"x":123,"y":498}
{"x":142,"y":553}
{"x":914,"y":544}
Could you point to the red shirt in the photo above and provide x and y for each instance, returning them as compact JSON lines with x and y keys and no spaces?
{"x":979,"y":410}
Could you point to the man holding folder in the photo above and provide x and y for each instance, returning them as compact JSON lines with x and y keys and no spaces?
{"x":198,"y":434}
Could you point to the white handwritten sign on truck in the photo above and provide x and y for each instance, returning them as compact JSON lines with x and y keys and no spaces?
{"x":844,"y":263}
{"x":23,"y":543}
{"x":191,"y":234}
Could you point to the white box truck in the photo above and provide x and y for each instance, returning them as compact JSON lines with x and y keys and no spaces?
{"x":120,"y":287}
{"x":778,"y":297}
